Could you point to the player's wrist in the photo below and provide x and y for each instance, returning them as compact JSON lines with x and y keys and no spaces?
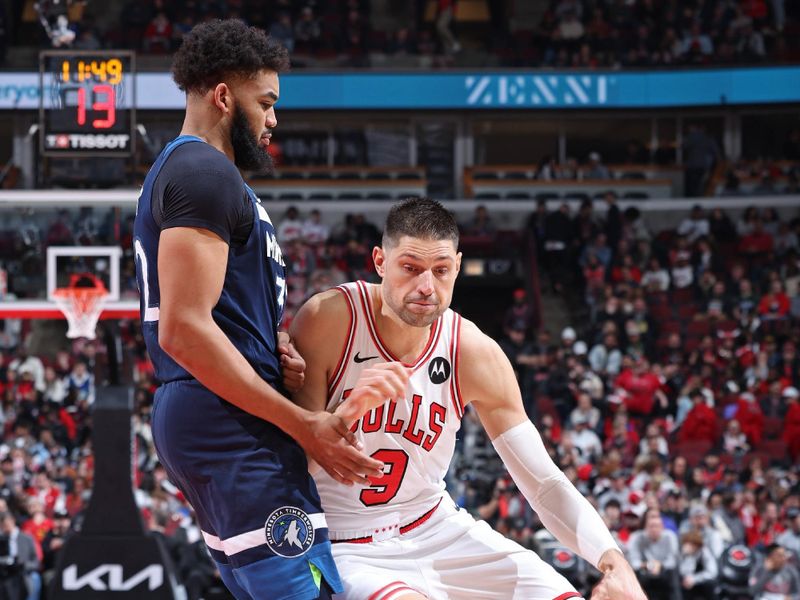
{"x":610,"y":559}
{"x":284,"y":338}
{"x":348,"y":411}
{"x":296,"y":422}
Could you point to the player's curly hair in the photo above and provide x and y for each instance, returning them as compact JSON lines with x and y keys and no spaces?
{"x":419,"y":217}
{"x":212,"y":51}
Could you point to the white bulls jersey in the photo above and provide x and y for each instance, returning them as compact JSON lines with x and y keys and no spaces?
{"x":415,"y":438}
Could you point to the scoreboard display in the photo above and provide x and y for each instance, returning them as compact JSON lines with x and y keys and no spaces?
{"x":87,"y":105}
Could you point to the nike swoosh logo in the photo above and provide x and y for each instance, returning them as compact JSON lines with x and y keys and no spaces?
{"x":358,"y":359}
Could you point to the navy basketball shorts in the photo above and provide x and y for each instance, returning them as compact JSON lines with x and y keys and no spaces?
{"x":248,"y":483}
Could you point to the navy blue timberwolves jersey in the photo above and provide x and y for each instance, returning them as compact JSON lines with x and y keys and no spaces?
{"x":210,"y":193}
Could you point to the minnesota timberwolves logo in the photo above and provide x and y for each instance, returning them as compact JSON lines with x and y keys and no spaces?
{"x":439,"y":370}
{"x":289,"y":532}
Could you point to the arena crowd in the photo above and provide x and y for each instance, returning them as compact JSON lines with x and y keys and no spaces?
{"x":671,"y":400}
{"x":562,"y":33}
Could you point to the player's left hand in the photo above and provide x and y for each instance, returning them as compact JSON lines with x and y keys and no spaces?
{"x":293,"y":366}
{"x":619,"y":582}
{"x":375,"y":385}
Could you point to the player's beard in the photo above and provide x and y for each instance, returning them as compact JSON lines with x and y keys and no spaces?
{"x":412,"y":318}
{"x":248,"y":155}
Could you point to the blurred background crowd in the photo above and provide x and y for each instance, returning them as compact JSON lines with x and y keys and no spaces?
{"x":670,"y":399}
{"x":358,"y":33}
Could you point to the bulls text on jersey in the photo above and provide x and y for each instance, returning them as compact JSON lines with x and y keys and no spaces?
{"x":418,"y":430}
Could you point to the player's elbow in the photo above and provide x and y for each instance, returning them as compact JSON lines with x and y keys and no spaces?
{"x":174,"y":334}
{"x":168,"y":337}
{"x":554,"y":483}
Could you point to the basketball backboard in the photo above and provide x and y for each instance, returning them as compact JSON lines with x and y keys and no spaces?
{"x":100,"y":261}
{"x":61,"y":264}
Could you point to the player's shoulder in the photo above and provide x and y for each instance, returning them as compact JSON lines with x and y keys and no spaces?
{"x":330,"y":301}
{"x":483,"y":366}
{"x":474,"y":343}
{"x":195,"y":159}
{"x":323,"y":316}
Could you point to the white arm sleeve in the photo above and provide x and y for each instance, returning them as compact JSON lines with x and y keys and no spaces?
{"x":562,"y":509}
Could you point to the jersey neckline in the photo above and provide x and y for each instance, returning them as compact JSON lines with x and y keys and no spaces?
{"x":381,"y":345}
{"x":188,"y":136}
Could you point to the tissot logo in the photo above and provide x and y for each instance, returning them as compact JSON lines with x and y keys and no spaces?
{"x":80,"y":141}
{"x":109,"y":578}
{"x":439,"y":370}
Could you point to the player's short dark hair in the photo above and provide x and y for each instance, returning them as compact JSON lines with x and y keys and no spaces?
{"x":420,"y":217}
{"x":212,"y":51}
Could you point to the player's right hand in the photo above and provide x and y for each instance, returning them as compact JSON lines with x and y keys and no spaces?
{"x":376,"y":385}
{"x":619,"y":581}
{"x":329,"y":443}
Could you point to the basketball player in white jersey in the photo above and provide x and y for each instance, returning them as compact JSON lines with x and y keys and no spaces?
{"x":396,"y":362}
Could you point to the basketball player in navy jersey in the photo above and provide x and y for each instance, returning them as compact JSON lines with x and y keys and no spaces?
{"x":211,"y":280}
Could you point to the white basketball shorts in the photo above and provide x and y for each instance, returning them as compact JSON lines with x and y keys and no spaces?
{"x":451,"y":556}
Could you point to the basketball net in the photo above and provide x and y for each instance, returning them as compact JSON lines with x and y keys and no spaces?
{"x":81,"y":306}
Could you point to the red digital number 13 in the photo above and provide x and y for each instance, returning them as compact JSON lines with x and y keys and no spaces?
{"x":386,"y":488}
{"x":108,"y":104}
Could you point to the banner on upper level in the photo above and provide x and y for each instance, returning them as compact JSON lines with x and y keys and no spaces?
{"x":447,"y":90}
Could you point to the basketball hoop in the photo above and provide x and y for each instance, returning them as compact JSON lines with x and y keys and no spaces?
{"x":81,"y":305}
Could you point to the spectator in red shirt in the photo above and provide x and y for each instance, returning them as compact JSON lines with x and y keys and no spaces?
{"x":158,"y":35}
{"x":550,"y":427}
{"x":626,"y":271}
{"x":45,"y":492}
{"x":595,"y":275}
{"x":775,"y":304}
{"x":712,"y":470}
{"x":77,"y":499}
{"x":750,"y":417}
{"x":757,"y":241}
{"x":756,"y":9}
{"x":642,"y":387}
{"x":38,"y":525}
{"x":766,"y":527}
{"x":701,"y":422}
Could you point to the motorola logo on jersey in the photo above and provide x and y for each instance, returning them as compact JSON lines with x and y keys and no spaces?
{"x":439,"y":370}
{"x":289,"y":532}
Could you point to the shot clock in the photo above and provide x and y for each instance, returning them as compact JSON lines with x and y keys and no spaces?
{"x":87,"y":105}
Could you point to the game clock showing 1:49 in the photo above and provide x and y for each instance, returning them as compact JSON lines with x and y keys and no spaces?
{"x":87,"y":105}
